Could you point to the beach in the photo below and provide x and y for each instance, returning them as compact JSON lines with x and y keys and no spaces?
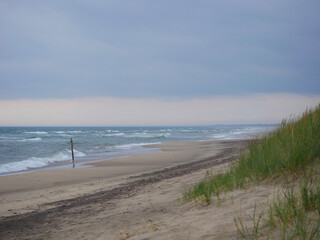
{"x":156,"y":120}
{"x":136,"y":197}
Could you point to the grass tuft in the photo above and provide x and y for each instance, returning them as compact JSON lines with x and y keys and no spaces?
{"x":297,"y":213}
{"x":251,"y":233}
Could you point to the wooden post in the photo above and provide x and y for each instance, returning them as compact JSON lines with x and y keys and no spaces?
{"x":71,"y":142}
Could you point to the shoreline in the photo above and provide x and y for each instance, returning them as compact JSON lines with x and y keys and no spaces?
{"x":170,"y":154}
{"x":52,"y":148}
{"x":33,"y":204}
{"x":87,"y":162}
{"x":80,"y":163}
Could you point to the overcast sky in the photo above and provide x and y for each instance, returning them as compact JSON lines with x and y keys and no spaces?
{"x":158,"y":51}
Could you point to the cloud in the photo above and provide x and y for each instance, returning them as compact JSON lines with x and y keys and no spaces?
{"x":63,"y":49}
{"x":261,"y":108}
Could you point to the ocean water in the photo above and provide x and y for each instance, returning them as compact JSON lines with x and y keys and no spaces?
{"x":36,"y":148}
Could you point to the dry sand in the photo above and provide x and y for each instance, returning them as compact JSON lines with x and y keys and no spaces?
{"x":138,"y":197}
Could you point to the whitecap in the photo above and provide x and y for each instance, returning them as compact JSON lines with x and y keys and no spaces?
{"x":62,"y":133}
{"x":148,"y":135}
{"x":113,"y":135}
{"x":8,"y":139}
{"x":37,"y":132}
{"x":74,"y":131}
{"x":130,"y":146}
{"x":36,"y":162}
{"x":30,"y":140}
{"x":112,"y":131}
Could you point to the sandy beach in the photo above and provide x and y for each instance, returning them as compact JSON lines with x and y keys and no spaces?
{"x":137,"y":197}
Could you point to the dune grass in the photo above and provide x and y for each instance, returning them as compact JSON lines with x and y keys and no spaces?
{"x":296,"y":213}
{"x":291,"y":153}
{"x":293,"y":214}
{"x":287,"y":152}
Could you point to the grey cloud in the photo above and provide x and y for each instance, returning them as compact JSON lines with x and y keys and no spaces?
{"x":159,"y":49}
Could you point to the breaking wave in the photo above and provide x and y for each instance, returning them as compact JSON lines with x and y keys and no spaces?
{"x":37,"y":162}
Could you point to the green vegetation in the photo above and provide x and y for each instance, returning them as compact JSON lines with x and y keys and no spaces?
{"x":296,"y":214}
{"x":284,"y":152}
{"x":293,"y":214}
{"x":288,"y":153}
{"x":288,"y":150}
{"x":246,"y":232}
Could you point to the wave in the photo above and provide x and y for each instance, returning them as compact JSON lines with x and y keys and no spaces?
{"x":123,"y":147}
{"x":59,"y":132}
{"x":37,"y":162}
{"x":230,"y":136}
{"x":187,"y":130}
{"x":30,"y":140}
{"x":148,"y":135}
{"x":37,"y":132}
{"x":134,"y":135}
{"x":131,"y":146}
{"x":14,"y":139}
{"x":74,"y":131}
{"x":110,"y":131}
{"x":166,"y":130}
{"x":113,"y":134}
{"x":8,"y":139}
{"x":62,"y":132}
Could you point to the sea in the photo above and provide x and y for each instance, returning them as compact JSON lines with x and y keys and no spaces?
{"x":27,"y":149}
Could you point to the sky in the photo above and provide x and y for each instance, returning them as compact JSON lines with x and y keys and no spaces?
{"x":173,"y":62}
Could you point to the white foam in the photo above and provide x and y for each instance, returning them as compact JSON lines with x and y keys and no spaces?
{"x":221,"y":136}
{"x":187,"y":130}
{"x":126,"y":147}
{"x":66,"y":132}
{"x":166,"y":130}
{"x":74,"y":131}
{"x":37,"y":132}
{"x":62,"y":133}
{"x":148,"y":135}
{"x":36,"y":162}
{"x":113,"y":134}
{"x":129,"y":146}
{"x":8,"y":139}
{"x":109,"y":131}
{"x":30,"y":140}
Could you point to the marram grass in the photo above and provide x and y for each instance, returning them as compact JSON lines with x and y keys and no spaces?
{"x":294,"y":214}
{"x":287,"y":151}
{"x":291,"y":150}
